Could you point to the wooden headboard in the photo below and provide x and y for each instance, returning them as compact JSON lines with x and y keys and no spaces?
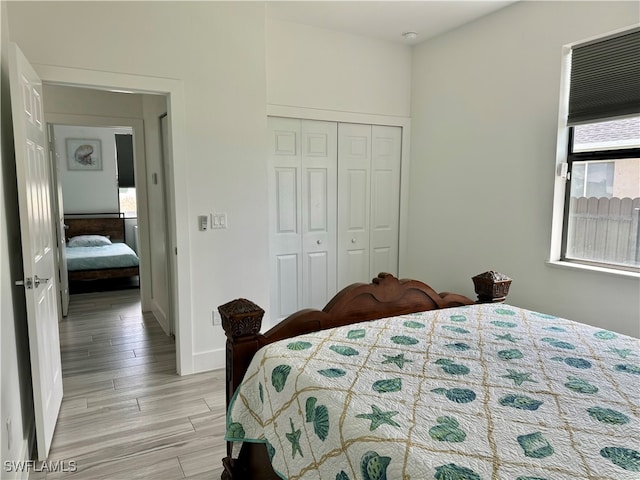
{"x":112,"y":226}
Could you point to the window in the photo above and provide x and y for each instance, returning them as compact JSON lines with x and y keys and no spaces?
{"x":601,"y":216}
{"x":603,"y":194}
{"x":126,"y":175}
{"x":128,"y":205}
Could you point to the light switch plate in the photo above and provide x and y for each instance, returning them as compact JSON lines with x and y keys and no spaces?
{"x":218,"y":220}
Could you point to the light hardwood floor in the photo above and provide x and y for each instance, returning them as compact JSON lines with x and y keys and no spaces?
{"x":125,"y":413}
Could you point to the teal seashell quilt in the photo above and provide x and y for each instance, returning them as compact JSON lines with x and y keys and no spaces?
{"x":469,"y":393}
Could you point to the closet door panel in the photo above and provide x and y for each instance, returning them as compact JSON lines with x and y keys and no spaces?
{"x":317,"y":219}
{"x":320,"y":272}
{"x":285,"y":216}
{"x":354,"y":203}
{"x":355,"y":266}
{"x":356,"y":196}
{"x":382,"y":260}
{"x":286,"y":186}
{"x":287,"y":285}
{"x":319,"y":204}
{"x":385,"y":198}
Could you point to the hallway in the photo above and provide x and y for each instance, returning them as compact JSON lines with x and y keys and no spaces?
{"x":125,"y":413}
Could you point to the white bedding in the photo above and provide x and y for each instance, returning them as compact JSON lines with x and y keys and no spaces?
{"x":116,"y":255}
{"x":469,"y":393}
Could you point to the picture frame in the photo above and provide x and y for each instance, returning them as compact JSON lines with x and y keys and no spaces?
{"x":84,"y":154}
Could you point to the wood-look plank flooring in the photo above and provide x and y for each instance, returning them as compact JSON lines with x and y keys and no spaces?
{"x":125,"y":413}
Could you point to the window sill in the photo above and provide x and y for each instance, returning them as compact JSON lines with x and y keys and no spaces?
{"x":591,"y":268}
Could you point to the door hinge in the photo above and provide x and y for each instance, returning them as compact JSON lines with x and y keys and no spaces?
{"x":27,"y":282}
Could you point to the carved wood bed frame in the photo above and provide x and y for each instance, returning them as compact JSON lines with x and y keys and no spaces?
{"x":386,"y":296}
{"x":110,"y":225}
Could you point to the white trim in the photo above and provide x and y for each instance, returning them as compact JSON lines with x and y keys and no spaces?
{"x":306,"y":113}
{"x":26,"y":448}
{"x":160,"y":316}
{"x":180,"y":270}
{"x":604,"y":36}
{"x":562,"y":149}
{"x":591,"y":268}
{"x":209,"y":360}
{"x":368,"y":119}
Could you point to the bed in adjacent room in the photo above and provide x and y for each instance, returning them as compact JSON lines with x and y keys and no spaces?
{"x":392,"y":380}
{"x":95,"y":248}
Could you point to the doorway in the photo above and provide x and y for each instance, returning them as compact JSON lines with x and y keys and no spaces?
{"x":126,"y":127}
{"x":176,"y":181}
{"x":155,"y":180}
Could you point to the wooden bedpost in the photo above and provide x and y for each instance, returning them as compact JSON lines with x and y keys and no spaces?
{"x":491,"y":287}
{"x":241,"y":322}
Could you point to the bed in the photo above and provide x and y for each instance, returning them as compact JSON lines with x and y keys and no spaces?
{"x":95,"y":248}
{"x":392,"y":380}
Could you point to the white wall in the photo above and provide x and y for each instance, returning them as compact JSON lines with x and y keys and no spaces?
{"x":88,"y":101}
{"x":229,"y":74}
{"x":216,"y":50}
{"x":16,"y":396}
{"x":322,"y":69}
{"x":485,"y":116}
{"x":94,"y":191}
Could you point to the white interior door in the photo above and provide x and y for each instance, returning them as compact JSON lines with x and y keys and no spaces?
{"x":386,"y":149}
{"x":354,"y":200}
{"x":60,"y":227}
{"x":38,"y":246}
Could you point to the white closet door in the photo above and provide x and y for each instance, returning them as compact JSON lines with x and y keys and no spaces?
{"x":319,"y":206}
{"x":302,"y":209}
{"x":354,"y":200}
{"x":285,"y":216}
{"x":386,"y":149}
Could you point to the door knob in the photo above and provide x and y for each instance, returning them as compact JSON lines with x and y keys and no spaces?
{"x":319,"y":242}
{"x":353,"y":240}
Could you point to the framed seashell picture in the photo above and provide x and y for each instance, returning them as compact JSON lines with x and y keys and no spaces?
{"x":84,"y":154}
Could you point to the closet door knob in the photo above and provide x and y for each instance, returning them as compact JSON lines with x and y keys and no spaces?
{"x":353,"y":240}
{"x":319,"y":242}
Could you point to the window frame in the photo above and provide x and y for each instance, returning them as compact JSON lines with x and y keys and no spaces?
{"x":581,"y":157}
{"x":563,"y":148}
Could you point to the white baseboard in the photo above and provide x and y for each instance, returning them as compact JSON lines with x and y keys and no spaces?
{"x":25,"y":454}
{"x":210,"y":360}
{"x":161,"y":317}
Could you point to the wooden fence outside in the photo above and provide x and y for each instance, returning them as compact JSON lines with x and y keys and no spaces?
{"x":604,"y":230}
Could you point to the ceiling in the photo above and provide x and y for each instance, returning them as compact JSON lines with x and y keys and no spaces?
{"x":384,"y":20}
